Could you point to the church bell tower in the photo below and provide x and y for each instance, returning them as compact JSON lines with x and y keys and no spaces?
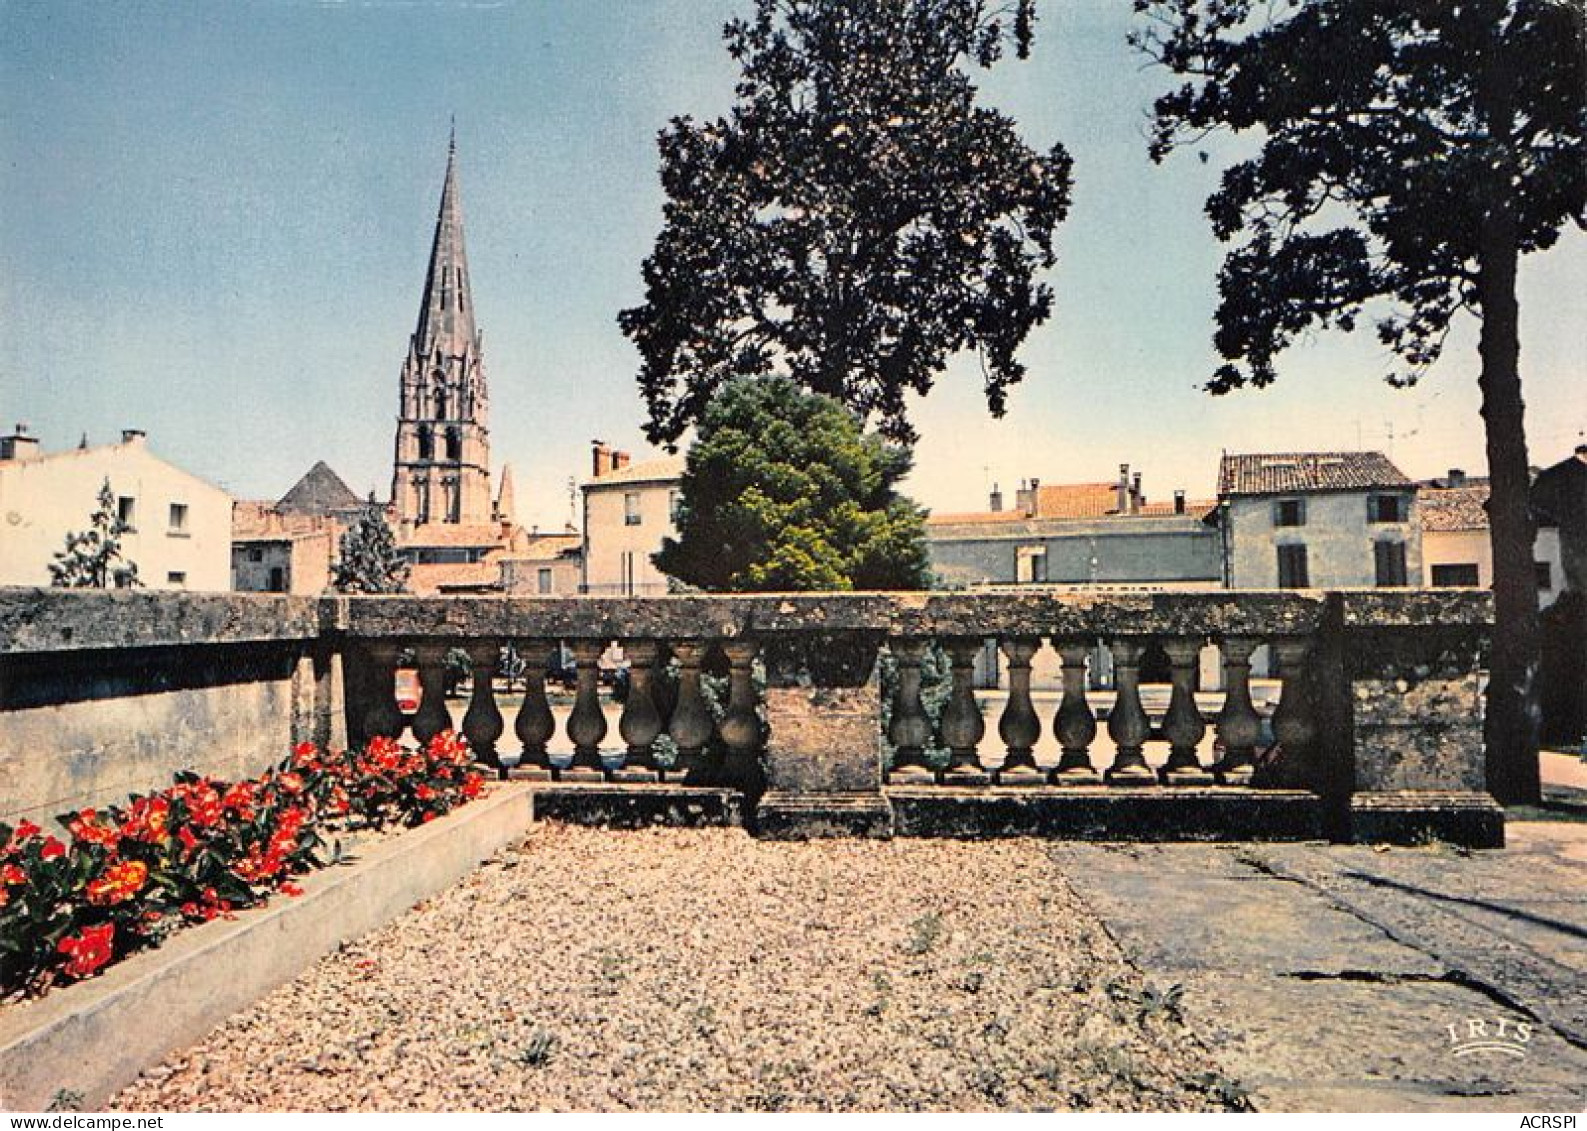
{"x":442,"y":466}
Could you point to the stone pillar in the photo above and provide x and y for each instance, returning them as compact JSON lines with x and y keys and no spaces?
{"x":1401,"y":708}
{"x":823,"y":760}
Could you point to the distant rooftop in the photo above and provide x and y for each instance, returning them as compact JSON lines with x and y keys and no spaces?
{"x":1282,"y":473}
{"x":1454,"y":508}
{"x":320,"y":491}
{"x":651,"y":471}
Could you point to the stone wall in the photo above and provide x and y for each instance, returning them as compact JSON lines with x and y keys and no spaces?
{"x":106,"y":694}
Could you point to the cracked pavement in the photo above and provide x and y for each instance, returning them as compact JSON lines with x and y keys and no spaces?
{"x":1328,"y":977}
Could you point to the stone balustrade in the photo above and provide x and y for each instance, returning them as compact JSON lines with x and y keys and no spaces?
{"x":1376,"y":732}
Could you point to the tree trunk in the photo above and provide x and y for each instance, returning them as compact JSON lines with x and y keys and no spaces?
{"x":1513,"y":718}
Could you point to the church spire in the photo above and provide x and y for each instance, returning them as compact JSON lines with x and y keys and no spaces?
{"x":446,"y":315}
{"x":442,"y":466}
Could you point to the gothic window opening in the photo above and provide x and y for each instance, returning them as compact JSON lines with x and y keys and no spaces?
{"x":440,"y":403}
{"x":426,"y":444}
{"x":454,"y":445}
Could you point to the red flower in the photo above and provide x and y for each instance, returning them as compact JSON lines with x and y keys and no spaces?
{"x":88,"y":951}
{"x":86,"y":829}
{"x":119,"y":883}
{"x":11,"y":874}
{"x":189,"y":841}
{"x":52,"y":850}
{"x":289,"y":888}
{"x":149,"y":820}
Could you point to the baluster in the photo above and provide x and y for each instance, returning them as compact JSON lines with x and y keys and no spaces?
{"x":1183,"y":725}
{"x":640,"y":723}
{"x":383,"y":717}
{"x":1239,"y":726}
{"x":1128,"y":725}
{"x":962,"y":724}
{"x":690,"y":725}
{"x":740,"y":726}
{"x":910,"y":729}
{"x":1019,"y":727}
{"x":1076,"y":724}
{"x":587,"y":723}
{"x":482,"y":722}
{"x":432,"y":716}
{"x":535,"y":724}
{"x":1294,"y":727}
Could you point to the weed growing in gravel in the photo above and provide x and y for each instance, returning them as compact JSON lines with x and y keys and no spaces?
{"x":536,"y":1053}
{"x":972,"y":982}
{"x":884,"y":994}
{"x":1150,"y":1001}
{"x":924,"y":933}
{"x":65,"y":1099}
{"x":611,"y":972}
{"x":1222,"y":1089}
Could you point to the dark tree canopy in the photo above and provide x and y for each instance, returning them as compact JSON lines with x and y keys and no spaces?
{"x":1392,"y":130}
{"x":783,"y":490}
{"x":93,"y":559}
{"x":1411,"y":152}
{"x":369,"y":561}
{"x":856,"y":220}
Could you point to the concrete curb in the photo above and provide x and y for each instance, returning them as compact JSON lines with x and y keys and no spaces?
{"x":94,"y":1038}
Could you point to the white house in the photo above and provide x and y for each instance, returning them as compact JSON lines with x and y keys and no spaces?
{"x":1456,"y":545}
{"x":1317,"y":520}
{"x":628,"y":509}
{"x":180,"y":535}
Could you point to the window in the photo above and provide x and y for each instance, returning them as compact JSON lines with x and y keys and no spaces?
{"x":543,"y":581}
{"x":256,"y":553}
{"x":278,"y":579}
{"x":426,"y":444}
{"x":1289,"y":512}
{"x":454,"y":445}
{"x":1030,"y":564}
{"x":1388,"y":508}
{"x":1456,"y":573}
{"x":1389,"y":560}
{"x":176,"y":579}
{"x":674,"y":502}
{"x":178,"y":518}
{"x":127,"y":511}
{"x":1292,"y":568}
{"x":631,"y":508}
{"x":628,"y":573}
{"x":1545,"y":575}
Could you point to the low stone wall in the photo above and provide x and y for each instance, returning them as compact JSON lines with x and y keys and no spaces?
{"x":106,"y":694}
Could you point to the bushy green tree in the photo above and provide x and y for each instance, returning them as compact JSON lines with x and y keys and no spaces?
{"x":369,"y":561}
{"x":855,"y":220}
{"x":1410,"y":152}
{"x":93,"y":558}
{"x":783,"y":490}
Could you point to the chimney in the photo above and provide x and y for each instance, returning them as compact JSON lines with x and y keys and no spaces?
{"x":19,"y":445}
{"x":1137,"y":499}
{"x":1025,"y":498}
{"x":133,"y":436}
{"x":619,"y":460}
{"x":1121,"y":500}
{"x":601,"y":458}
{"x":1179,"y":502}
{"x":997,"y":500}
{"x":1457,"y":478}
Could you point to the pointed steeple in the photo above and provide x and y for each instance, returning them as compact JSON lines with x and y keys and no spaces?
{"x":446,"y":315}
{"x":504,"y":496}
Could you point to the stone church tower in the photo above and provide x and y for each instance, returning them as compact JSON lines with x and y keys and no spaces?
{"x":442,"y":466}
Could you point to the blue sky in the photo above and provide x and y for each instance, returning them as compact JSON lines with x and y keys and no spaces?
{"x":216,"y":215}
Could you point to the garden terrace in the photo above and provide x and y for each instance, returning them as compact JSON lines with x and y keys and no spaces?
{"x":1376,"y":733}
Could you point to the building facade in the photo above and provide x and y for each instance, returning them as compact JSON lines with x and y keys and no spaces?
{"x":628,"y":509}
{"x":1457,"y":549}
{"x":180,"y":536}
{"x":288,"y":546}
{"x":1324,"y":520}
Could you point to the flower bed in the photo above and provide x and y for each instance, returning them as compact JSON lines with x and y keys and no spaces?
{"x":131,"y":875}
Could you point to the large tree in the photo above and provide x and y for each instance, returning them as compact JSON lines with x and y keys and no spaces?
{"x":783,"y":490}
{"x":369,"y":561}
{"x":93,"y":558}
{"x":855,"y":220}
{"x":1410,"y":151}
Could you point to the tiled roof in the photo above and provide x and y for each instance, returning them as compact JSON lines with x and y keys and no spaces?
{"x":546,"y":547}
{"x":454,"y":534}
{"x":320,"y":491}
{"x":254,"y":520}
{"x":428,"y":580}
{"x":651,"y":471}
{"x":1454,"y":508}
{"x":1283,"y":473}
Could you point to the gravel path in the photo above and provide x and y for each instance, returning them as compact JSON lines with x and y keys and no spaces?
{"x":701,"y":969}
